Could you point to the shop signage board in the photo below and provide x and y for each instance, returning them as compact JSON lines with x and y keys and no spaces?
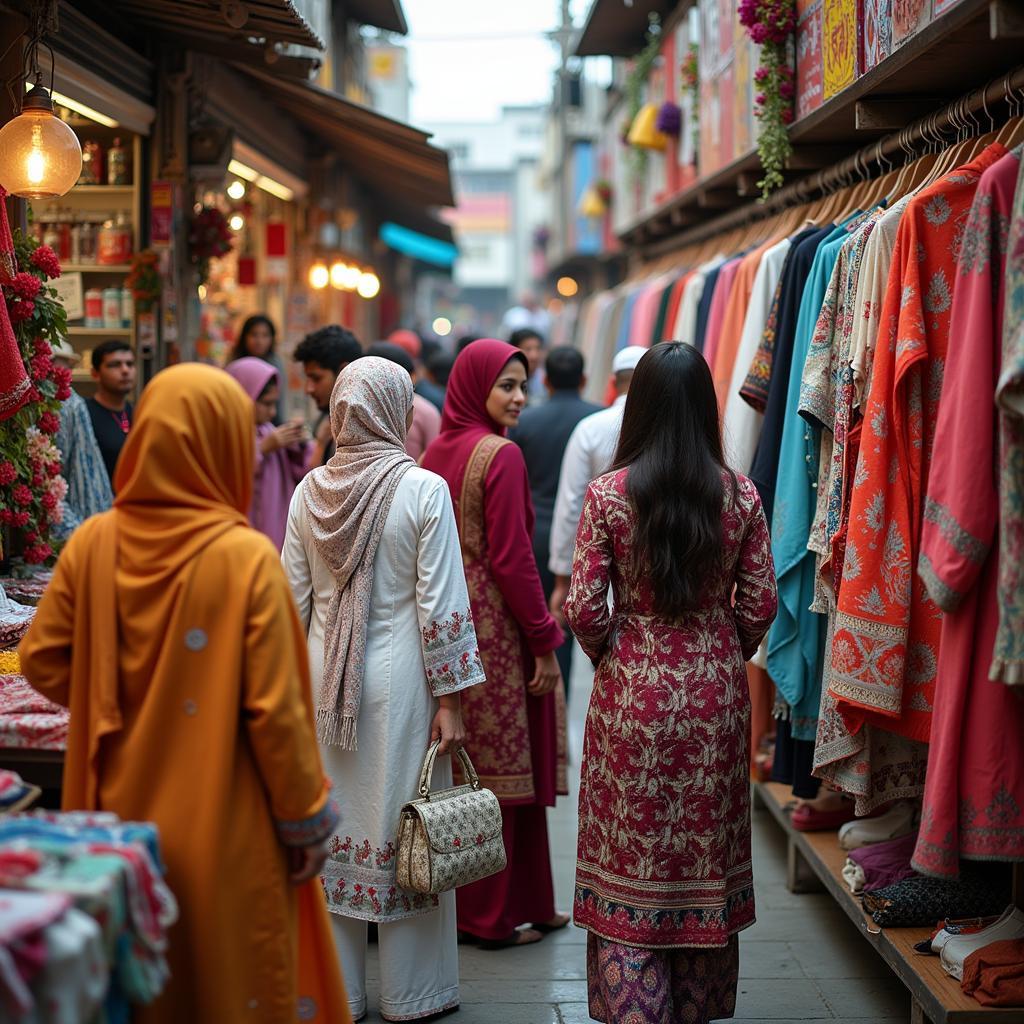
{"x":908,"y":17}
{"x":839,"y":44}
{"x":809,"y":65}
{"x":276,"y":248}
{"x":875,"y":33}
{"x":161,"y":213}
{"x":70,"y":294}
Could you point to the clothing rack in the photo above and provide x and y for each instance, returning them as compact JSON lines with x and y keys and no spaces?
{"x":959,"y":115}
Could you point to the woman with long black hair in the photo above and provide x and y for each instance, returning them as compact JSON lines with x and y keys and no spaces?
{"x":663,"y":877}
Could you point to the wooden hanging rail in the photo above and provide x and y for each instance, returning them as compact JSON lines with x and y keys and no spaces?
{"x":1002,"y":97}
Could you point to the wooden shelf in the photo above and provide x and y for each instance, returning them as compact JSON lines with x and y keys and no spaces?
{"x":949,"y":57}
{"x":95,"y":268}
{"x":93,"y":332}
{"x":124,"y":191}
{"x":816,"y":857}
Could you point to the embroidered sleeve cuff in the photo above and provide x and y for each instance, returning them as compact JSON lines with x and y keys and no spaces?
{"x":451,"y":655}
{"x":309,"y":830}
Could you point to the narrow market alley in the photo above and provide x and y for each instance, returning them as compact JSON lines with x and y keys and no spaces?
{"x":802,"y":961}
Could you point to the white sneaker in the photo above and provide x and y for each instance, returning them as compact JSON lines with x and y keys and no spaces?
{"x":957,"y":948}
{"x":899,"y":820}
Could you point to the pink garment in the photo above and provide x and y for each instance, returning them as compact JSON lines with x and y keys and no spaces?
{"x":885,"y":863}
{"x":278,"y":473}
{"x":426,"y":425}
{"x":645,"y":312}
{"x":974,"y":788}
{"x":719,"y":304}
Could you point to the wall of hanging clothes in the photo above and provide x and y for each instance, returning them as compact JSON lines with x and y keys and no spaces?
{"x":867,"y":347}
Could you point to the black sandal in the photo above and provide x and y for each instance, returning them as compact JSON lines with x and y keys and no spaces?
{"x":547,"y":929}
{"x":515,"y":939}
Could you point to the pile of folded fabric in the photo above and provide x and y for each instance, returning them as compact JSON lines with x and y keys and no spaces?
{"x":15,"y":618}
{"x":84,"y":913}
{"x":27,"y":589}
{"x":28,"y":720}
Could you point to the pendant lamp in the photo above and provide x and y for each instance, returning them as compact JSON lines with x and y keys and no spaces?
{"x":591,"y":204}
{"x":40,"y":156}
{"x":643,"y":132}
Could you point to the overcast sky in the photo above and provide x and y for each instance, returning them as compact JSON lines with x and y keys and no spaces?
{"x":468,"y":58}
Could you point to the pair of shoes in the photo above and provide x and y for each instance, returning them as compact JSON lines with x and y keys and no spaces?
{"x":520,"y":937}
{"x":899,"y":820}
{"x":957,"y":948}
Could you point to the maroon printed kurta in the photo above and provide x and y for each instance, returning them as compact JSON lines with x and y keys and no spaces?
{"x":664,"y":839}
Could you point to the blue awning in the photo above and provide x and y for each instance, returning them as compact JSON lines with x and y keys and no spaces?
{"x":417,"y":245}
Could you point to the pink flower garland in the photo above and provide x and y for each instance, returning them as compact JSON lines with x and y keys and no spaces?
{"x":770,"y":23}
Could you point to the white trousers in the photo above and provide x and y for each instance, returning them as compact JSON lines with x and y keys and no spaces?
{"x":419,"y":963}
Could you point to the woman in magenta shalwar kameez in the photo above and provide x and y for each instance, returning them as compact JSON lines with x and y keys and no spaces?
{"x":281,"y":453}
{"x":663,"y":876}
{"x":516,"y":719}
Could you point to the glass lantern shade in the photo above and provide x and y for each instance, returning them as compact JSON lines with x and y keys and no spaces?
{"x":40,"y":156}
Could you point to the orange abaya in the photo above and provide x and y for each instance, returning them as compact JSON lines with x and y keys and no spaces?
{"x":169,"y":631}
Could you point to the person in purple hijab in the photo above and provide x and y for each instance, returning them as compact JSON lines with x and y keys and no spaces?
{"x":282,"y":453}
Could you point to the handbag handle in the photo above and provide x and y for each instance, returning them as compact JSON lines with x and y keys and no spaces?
{"x":428,"y":768}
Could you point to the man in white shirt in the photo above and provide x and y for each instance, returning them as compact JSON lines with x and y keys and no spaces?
{"x":588,"y":454}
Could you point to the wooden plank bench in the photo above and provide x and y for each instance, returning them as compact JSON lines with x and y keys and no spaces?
{"x":815,"y":862}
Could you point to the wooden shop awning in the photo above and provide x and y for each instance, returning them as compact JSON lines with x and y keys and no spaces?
{"x":616,"y":29}
{"x":385,"y":14}
{"x":392,"y":158}
{"x":263,"y":22}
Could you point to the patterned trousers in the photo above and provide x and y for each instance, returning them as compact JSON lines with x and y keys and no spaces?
{"x":636,"y":985}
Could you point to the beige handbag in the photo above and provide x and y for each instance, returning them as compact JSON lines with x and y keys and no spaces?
{"x":452,"y":837}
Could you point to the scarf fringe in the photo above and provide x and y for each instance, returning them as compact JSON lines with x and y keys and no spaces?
{"x":334,"y":730}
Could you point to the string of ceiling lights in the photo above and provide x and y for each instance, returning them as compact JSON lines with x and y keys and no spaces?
{"x":344,"y":277}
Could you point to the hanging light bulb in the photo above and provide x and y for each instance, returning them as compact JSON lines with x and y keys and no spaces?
{"x":350,"y":278}
{"x":237,"y":222}
{"x":40,"y":156}
{"x":339,"y":273}
{"x":236,"y":190}
{"x":319,"y":276}
{"x":369,"y":285}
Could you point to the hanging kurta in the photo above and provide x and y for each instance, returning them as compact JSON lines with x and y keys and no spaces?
{"x":974,"y":792}
{"x":420,"y":644}
{"x":169,"y":631}
{"x":664,"y":833}
{"x":1008,"y":653}
{"x":886,"y":644}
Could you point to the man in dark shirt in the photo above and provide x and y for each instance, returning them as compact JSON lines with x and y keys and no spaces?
{"x":324,"y":354}
{"x":542,"y":434}
{"x":113,"y":369}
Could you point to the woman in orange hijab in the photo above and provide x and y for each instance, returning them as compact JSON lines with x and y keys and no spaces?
{"x":169,"y":631}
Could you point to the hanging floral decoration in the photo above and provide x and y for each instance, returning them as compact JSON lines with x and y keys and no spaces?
{"x":770,"y":23}
{"x":144,"y":280}
{"x":689,"y":77}
{"x":209,"y":237}
{"x":32,"y":489}
{"x":636,"y":82}
{"x":603,"y":188}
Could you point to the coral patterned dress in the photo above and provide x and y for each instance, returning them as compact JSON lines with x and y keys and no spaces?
{"x":664,"y":839}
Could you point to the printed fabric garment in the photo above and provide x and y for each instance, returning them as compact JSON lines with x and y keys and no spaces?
{"x":664,"y":831}
{"x":886,"y":643}
{"x":1008,"y":655}
{"x":82,"y":467}
{"x":754,"y":385}
{"x":796,"y":637}
{"x":872,"y":765}
{"x":974,"y":789}
{"x":420,"y":644}
{"x":631,"y":985}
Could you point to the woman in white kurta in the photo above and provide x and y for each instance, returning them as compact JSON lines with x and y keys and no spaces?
{"x":420,"y":646}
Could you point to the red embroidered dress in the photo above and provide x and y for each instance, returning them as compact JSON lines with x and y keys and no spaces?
{"x":664,"y":839}
{"x":886,"y":644}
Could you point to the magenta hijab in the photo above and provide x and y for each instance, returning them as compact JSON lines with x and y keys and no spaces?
{"x":253,"y":374}
{"x":465,"y":418}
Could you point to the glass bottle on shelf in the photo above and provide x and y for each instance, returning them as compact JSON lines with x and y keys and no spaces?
{"x":117,"y":164}
{"x":51,"y":235}
{"x":92,"y":163}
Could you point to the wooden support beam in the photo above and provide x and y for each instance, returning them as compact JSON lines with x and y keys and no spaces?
{"x":889,"y":115}
{"x":1005,"y":20}
{"x":716,"y":199}
{"x":812,"y":158}
{"x":746,"y":184}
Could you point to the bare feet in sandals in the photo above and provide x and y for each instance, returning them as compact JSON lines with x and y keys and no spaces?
{"x":520,"y":937}
{"x":556,"y":924}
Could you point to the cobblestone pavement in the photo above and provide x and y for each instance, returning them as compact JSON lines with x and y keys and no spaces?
{"x":802,"y":961}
